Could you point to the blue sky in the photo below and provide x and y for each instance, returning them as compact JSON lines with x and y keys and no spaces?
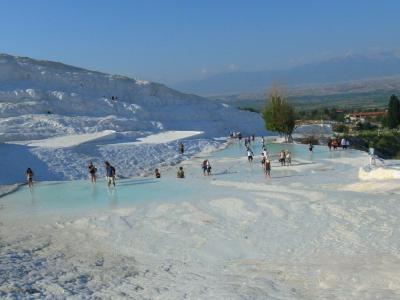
{"x":172,"y":40}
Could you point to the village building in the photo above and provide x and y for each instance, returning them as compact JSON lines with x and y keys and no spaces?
{"x":361,"y":117}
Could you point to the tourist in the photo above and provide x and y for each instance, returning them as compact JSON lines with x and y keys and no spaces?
{"x":92,"y":171}
{"x":267,"y":168}
{"x":334,"y":144}
{"x":265,"y":153}
{"x":29,"y":177}
{"x":250,"y":155}
{"x":157,"y":173}
{"x":263,"y":160}
{"x":110,"y":174}
{"x":343,"y":143}
{"x":180,"y":173}
{"x":330,"y":144}
{"x":208,"y":165}
{"x":247,"y":142}
{"x":204,"y":166}
{"x":288,"y":158}
{"x":282,"y":158}
{"x":181,"y":148}
{"x":372,"y":157}
{"x":310,"y":147}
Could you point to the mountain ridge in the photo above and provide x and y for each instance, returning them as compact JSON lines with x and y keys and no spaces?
{"x":334,"y":70}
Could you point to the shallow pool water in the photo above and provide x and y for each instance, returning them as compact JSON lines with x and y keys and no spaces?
{"x":298,"y":151}
{"x":83,"y":196}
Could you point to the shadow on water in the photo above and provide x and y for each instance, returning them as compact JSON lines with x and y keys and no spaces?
{"x":136,"y":182}
{"x":123,"y":182}
{"x":295,"y":164}
{"x":56,"y":182}
{"x":224,"y":173}
{"x":287,"y":176}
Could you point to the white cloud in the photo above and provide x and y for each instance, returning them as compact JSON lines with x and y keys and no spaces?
{"x":232,"y":67}
{"x":297,"y":61}
{"x":349,"y":52}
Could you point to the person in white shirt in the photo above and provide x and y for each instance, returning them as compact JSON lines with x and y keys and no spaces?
{"x":343,"y":143}
{"x":250,"y":155}
{"x":288,"y":157}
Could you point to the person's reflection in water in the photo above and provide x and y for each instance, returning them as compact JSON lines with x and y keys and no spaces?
{"x":112,"y":197}
{"x":94,"y":193}
{"x":33,"y":196}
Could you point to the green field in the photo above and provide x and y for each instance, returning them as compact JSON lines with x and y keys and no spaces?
{"x":353,"y":101}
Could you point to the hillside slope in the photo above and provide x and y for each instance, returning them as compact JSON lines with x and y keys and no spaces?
{"x":40,"y":99}
{"x":80,"y":116}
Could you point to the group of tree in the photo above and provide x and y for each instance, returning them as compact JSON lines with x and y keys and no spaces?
{"x":325,"y":113}
{"x":279,"y":115}
{"x":393,"y":114}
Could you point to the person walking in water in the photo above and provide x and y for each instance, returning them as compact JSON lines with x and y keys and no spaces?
{"x":347,"y":144}
{"x":246,"y":143}
{"x":208,"y":166}
{"x":92,"y":171}
{"x":282,"y":158}
{"x":157,"y":173}
{"x":204,"y":167}
{"x":29,"y":177}
{"x":110,"y":174}
{"x":267,"y":168}
{"x":372,"y":157}
{"x":288,"y":157}
{"x":180,"y":173}
{"x":334,"y":144}
{"x":181,"y":148}
{"x":263,"y":160}
{"x":250,"y":155}
{"x":265,"y":153}
{"x":343,"y":143}
{"x":310,"y":147}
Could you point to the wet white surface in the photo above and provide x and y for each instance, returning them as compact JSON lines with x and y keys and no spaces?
{"x":312,"y":232}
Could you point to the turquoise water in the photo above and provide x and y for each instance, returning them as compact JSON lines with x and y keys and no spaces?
{"x":78,"y":196}
{"x":82,"y":196}
{"x":298,"y":151}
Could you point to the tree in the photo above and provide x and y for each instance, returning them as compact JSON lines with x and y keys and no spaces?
{"x":341,"y":128}
{"x":393,"y":116}
{"x":279,"y":115}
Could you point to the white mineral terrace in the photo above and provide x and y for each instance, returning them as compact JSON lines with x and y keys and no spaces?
{"x":313,"y":231}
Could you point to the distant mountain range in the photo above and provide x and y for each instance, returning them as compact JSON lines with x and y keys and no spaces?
{"x":335,"y":70}
{"x":367,"y":93}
